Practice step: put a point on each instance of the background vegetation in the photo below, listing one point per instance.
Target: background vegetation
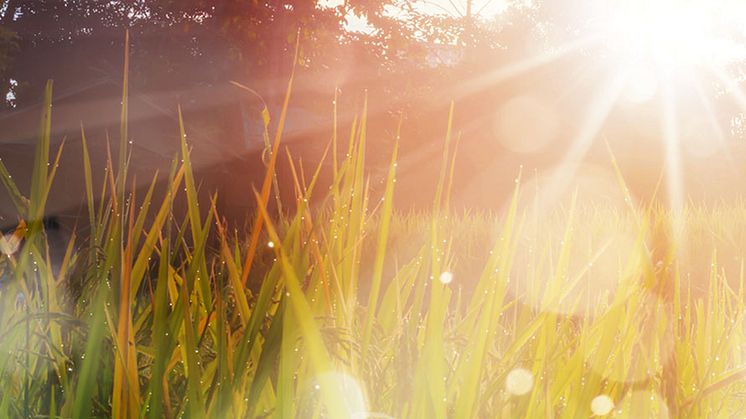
(332, 302)
(311, 313)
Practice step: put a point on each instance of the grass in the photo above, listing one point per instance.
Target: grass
(150, 314)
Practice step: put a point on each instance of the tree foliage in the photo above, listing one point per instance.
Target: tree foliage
(203, 41)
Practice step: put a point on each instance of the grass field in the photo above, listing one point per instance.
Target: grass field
(350, 309)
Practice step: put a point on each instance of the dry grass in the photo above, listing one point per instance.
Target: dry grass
(545, 314)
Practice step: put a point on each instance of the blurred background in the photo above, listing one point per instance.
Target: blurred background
(539, 87)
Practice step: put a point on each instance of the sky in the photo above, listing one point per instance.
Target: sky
(484, 8)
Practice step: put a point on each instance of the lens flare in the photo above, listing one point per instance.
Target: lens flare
(519, 382)
(526, 124)
(596, 258)
(672, 35)
(446, 278)
(630, 348)
(602, 405)
(349, 394)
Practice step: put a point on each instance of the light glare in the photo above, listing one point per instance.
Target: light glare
(602, 405)
(519, 382)
(672, 36)
(446, 278)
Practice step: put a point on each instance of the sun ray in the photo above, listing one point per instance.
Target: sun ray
(731, 87)
(516, 69)
(672, 143)
(712, 120)
(598, 111)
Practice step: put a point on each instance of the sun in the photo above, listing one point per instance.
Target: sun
(673, 37)
(680, 56)
(668, 35)
(667, 50)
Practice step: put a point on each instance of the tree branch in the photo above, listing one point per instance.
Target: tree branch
(10, 10)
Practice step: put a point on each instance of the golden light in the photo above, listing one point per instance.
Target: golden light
(602, 405)
(668, 50)
(519, 382)
(526, 124)
(672, 36)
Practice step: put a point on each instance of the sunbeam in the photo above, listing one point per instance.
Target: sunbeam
(677, 35)
(731, 86)
(512, 70)
(672, 143)
(721, 143)
(598, 110)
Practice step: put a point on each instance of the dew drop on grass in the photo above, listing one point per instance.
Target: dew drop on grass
(519, 382)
